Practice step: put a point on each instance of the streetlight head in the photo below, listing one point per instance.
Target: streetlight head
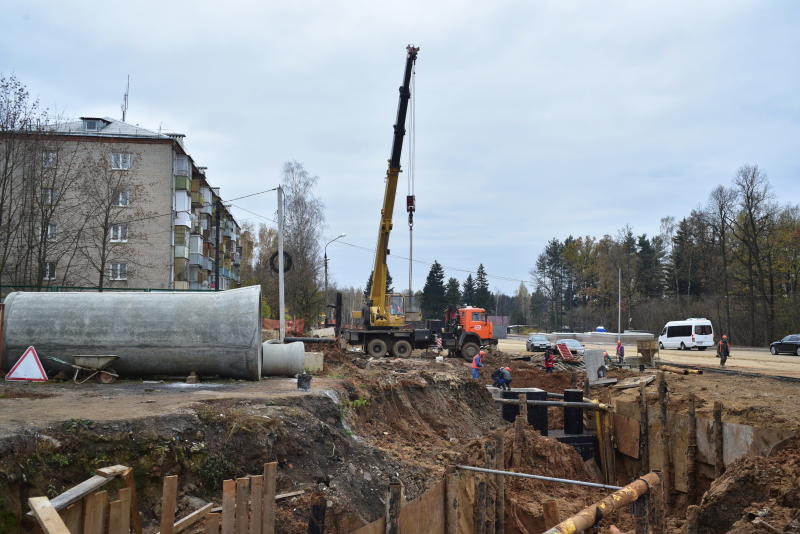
(341, 236)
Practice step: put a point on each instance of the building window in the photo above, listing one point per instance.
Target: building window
(120, 161)
(49, 197)
(49, 270)
(121, 199)
(49, 160)
(118, 271)
(119, 232)
(91, 125)
(51, 231)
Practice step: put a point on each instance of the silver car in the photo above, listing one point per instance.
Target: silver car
(573, 345)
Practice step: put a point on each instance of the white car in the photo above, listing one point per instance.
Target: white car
(573, 345)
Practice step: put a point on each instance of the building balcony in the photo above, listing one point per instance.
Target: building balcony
(195, 259)
(237, 258)
(197, 199)
(182, 251)
(183, 183)
(181, 285)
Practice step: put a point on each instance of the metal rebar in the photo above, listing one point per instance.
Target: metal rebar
(565, 404)
(539, 477)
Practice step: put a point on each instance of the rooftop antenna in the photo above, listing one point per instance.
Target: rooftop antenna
(125, 99)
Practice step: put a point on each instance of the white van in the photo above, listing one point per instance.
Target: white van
(693, 332)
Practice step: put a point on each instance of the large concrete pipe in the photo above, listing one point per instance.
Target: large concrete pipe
(282, 359)
(154, 333)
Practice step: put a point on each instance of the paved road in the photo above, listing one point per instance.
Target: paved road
(751, 359)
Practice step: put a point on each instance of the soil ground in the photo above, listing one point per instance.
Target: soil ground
(364, 422)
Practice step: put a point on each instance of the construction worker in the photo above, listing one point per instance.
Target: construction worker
(477, 363)
(723, 350)
(620, 352)
(502, 378)
(549, 361)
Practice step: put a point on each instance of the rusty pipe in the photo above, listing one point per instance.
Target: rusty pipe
(676, 370)
(591, 515)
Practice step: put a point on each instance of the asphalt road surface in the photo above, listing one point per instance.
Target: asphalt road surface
(750, 359)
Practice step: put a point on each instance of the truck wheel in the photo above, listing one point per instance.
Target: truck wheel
(469, 350)
(683, 346)
(376, 347)
(401, 348)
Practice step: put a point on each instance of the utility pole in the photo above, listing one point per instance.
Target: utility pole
(619, 306)
(216, 245)
(281, 303)
(326, 264)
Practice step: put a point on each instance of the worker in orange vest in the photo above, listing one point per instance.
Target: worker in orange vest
(477, 363)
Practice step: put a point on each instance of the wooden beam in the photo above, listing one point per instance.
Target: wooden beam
(115, 517)
(168, 498)
(551, 514)
(212, 525)
(452, 504)
(47, 516)
(94, 519)
(256, 503)
(268, 509)
(644, 449)
(490, 461)
(316, 520)
(130, 484)
(480, 506)
(110, 472)
(394, 502)
(73, 517)
(691, 452)
(189, 520)
(242, 497)
(76, 493)
(719, 459)
(500, 505)
(666, 464)
(228, 506)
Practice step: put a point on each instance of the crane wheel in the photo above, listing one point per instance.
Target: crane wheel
(376, 347)
(401, 348)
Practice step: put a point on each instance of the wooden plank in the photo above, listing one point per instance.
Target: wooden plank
(242, 497)
(289, 494)
(626, 435)
(480, 505)
(452, 505)
(73, 517)
(94, 519)
(256, 503)
(228, 506)
(428, 509)
(124, 495)
(490, 460)
(719, 463)
(130, 484)
(376, 527)
(47, 516)
(316, 520)
(113, 471)
(76, 493)
(212, 524)
(500, 505)
(170, 492)
(394, 501)
(466, 501)
(551, 515)
(189, 520)
(268, 509)
(115, 517)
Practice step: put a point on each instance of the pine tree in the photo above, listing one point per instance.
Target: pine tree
(452, 294)
(433, 297)
(468, 294)
(368, 288)
(483, 297)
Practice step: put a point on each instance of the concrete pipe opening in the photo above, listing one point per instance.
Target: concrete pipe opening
(282, 359)
(154, 333)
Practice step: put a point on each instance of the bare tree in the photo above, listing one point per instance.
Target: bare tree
(111, 202)
(721, 211)
(305, 219)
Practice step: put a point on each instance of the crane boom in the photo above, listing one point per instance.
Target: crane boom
(378, 299)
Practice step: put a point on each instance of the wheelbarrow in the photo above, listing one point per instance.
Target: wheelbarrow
(95, 364)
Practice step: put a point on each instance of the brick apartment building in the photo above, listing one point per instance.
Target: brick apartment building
(120, 206)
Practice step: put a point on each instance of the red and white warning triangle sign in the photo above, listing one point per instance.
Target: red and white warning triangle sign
(28, 368)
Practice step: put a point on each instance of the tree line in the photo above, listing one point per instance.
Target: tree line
(438, 295)
(735, 260)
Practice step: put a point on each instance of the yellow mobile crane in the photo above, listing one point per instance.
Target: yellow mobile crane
(384, 314)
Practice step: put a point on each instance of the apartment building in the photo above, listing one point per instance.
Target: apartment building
(123, 207)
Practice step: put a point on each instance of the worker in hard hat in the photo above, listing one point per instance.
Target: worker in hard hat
(723, 350)
(620, 352)
(477, 363)
(502, 378)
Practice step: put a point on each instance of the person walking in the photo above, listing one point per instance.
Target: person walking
(477, 363)
(549, 361)
(723, 350)
(620, 352)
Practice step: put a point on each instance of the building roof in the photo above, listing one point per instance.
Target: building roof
(108, 128)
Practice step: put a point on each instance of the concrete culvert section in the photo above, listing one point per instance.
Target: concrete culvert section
(155, 333)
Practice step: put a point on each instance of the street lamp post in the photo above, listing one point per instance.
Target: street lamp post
(326, 263)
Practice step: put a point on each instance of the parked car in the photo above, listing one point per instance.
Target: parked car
(537, 343)
(790, 344)
(573, 345)
(684, 335)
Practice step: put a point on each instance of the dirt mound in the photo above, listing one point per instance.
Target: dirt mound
(749, 485)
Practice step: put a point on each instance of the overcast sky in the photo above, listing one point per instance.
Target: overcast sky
(534, 119)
